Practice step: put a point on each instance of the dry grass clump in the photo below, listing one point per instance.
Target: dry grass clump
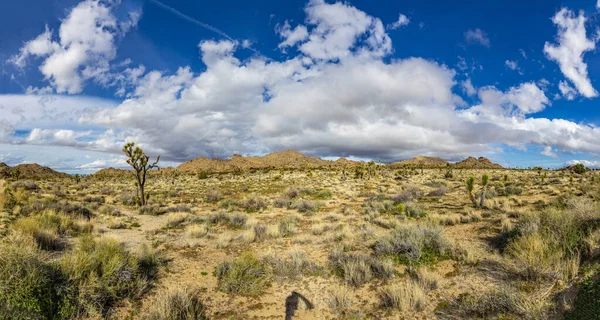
(426, 278)
(197, 231)
(339, 300)
(26, 184)
(234, 220)
(288, 226)
(411, 244)
(549, 244)
(177, 219)
(500, 304)
(245, 275)
(177, 304)
(358, 269)
(65, 208)
(213, 196)
(254, 203)
(406, 297)
(296, 264)
(101, 272)
(28, 289)
(48, 227)
(86, 282)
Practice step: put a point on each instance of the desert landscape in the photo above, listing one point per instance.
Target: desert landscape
(286, 235)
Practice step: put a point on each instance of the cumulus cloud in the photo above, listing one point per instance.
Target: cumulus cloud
(594, 164)
(572, 45)
(548, 152)
(340, 95)
(85, 46)
(468, 87)
(335, 30)
(401, 22)
(477, 36)
(566, 90)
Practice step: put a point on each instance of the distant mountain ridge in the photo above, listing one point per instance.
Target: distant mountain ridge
(287, 159)
(30, 171)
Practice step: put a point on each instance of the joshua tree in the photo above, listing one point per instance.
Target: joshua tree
(77, 178)
(470, 186)
(484, 182)
(139, 161)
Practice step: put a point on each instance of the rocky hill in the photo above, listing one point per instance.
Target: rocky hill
(30, 171)
(287, 159)
(477, 163)
(422, 161)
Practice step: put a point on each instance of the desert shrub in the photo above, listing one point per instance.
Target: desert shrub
(177, 219)
(26, 184)
(129, 198)
(179, 208)
(340, 300)
(70, 209)
(412, 244)
(305, 205)
(254, 203)
(323, 194)
(291, 193)
(245, 275)
(101, 272)
(177, 304)
(29, 287)
(426, 278)
(383, 206)
(414, 211)
(152, 210)
(288, 227)
(260, 232)
(235, 220)
(95, 199)
(296, 264)
(407, 296)
(110, 211)
(47, 228)
(409, 193)
(439, 192)
(551, 242)
(358, 269)
(197, 231)
(494, 304)
(213, 196)
(282, 202)
(580, 168)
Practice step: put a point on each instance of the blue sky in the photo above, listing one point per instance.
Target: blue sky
(515, 81)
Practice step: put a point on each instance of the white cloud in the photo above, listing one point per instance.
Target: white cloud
(298, 34)
(523, 53)
(477, 36)
(511, 64)
(84, 48)
(593, 164)
(572, 44)
(401, 22)
(335, 31)
(566, 90)
(341, 96)
(548, 152)
(468, 87)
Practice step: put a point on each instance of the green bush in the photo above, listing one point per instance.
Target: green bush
(245, 275)
(412, 244)
(101, 272)
(29, 287)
